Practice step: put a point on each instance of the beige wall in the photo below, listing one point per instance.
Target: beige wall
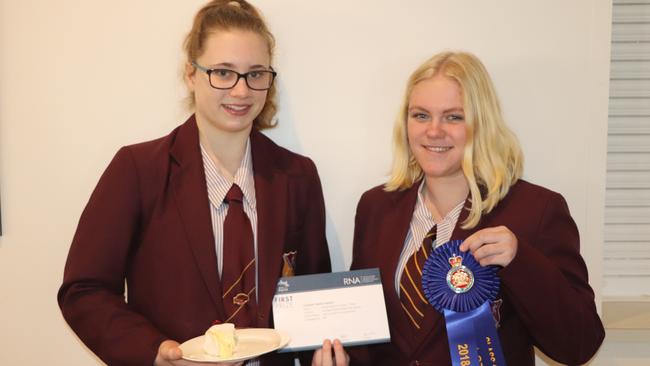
(79, 78)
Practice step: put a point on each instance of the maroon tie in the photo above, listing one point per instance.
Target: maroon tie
(410, 285)
(238, 274)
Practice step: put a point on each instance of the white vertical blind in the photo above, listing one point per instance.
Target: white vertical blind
(627, 211)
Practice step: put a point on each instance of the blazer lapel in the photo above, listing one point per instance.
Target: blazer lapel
(460, 233)
(393, 232)
(432, 317)
(271, 192)
(187, 179)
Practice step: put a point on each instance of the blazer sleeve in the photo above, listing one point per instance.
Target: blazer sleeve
(92, 294)
(361, 219)
(314, 256)
(360, 355)
(547, 285)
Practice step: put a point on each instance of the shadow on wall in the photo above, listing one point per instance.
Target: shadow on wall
(285, 135)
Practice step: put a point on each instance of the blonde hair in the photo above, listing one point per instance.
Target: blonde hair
(492, 159)
(225, 15)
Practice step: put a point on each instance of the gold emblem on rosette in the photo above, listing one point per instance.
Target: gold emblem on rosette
(460, 279)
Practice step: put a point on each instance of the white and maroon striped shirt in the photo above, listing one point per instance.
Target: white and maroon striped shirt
(218, 185)
(421, 223)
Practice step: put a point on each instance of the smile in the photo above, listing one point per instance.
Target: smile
(237, 109)
(438, 149)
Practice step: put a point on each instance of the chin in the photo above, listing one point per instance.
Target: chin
(239, 127)
(235, 124)
(441, 172)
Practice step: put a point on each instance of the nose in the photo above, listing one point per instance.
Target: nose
(240, 90)
(435, 128)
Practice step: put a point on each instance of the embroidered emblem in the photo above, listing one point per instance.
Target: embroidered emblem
(459, 278)
(240, 299)
(289, 264)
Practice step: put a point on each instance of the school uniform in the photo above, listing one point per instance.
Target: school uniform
(149, 222)
(544, 301)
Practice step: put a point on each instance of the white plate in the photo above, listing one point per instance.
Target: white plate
(252, 342)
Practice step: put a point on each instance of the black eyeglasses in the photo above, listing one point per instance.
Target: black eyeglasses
(227, 79)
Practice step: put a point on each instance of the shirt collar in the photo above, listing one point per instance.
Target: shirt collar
(218, 185)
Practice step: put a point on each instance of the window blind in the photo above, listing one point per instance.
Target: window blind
(627, 200)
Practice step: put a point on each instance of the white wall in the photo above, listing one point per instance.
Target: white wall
(79, 78)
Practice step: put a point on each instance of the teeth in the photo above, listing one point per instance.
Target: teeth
(438, 148)
(236, 107)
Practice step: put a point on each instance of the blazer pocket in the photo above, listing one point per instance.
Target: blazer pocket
(293, 241)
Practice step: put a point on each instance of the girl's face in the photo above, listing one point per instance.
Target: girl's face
(229, 110)
(436, 128)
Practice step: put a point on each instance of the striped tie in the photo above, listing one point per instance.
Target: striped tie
(238, 275)
(410, 285)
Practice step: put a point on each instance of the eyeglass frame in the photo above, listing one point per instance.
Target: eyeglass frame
(239, 76)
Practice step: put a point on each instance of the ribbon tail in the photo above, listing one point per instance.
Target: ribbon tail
(461, 337)
(487, 338)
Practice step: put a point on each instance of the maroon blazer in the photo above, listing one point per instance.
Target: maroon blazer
(546, 300)
(148, 221)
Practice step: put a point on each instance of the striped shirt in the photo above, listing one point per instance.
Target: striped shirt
(421, 223)
(218, 187)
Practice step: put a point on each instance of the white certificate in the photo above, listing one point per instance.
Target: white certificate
(349, 306)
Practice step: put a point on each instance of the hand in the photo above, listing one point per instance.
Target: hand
(493, 245)
(324, 357)
(169, 354)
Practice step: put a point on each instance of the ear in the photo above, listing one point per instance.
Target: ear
(189, 72)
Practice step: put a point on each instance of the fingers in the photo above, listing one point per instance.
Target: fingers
(490, 254)
(317, 359)
(324, 357)
(171, 351)
(492, 246)
(340, 356)
(168, 351)
(170, 354)
(485, 236)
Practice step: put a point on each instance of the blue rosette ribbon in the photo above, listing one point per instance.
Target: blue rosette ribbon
(456, 285)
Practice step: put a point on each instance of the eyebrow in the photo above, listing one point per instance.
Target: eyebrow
(450, 110)
(416, 107)
(456, 109)
(232, 66)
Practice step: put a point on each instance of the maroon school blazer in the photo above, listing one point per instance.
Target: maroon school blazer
(148, 221)
(546, 299)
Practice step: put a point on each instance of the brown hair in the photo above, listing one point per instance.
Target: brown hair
(227, 15)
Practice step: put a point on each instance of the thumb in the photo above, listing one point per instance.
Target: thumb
(169, 350)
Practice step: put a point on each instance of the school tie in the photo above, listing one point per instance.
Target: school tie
(411, 294)
(238, 273)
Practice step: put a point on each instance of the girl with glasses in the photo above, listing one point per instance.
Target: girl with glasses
(149, 266)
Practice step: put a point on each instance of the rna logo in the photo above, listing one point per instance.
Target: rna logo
(351, 281)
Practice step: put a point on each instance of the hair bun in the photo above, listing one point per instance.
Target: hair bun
(234, 3)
